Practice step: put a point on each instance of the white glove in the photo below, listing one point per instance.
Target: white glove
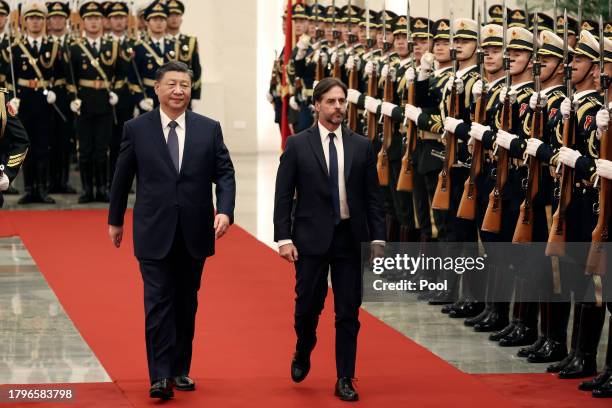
(602, 119)
(319, 54)
(387, 108)
(504, 139)
(533, 145)
(51, 97)
(353, 62)
(511, 95)
(458, 84)
(352, 95)
(269, 97)
(146, 104)
(13, 106)
(477, 89)
(370, 67)
(566, 107)
(410, 75)
(534, 99)
(450, 124)
(477, 130)
(75, 106)
(412, 112)
(427, 61)
(386, 70)
(604, 168)
(334, 57)
(294, 105)
(303, 42)
(113, 98)
(314, 84)
(470, 142)
(568, 156)
(371, 104)
(4, 182)
(316, 45)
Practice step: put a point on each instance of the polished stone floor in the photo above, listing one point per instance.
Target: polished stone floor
(447, 338)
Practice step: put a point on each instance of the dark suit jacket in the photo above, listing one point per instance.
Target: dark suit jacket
(165, 198)
(303, 169)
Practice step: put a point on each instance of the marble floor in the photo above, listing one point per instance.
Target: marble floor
(255, 174)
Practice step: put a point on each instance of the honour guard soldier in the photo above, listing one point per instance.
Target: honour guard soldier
(186, 46)
(4, 44)
(93, 61)
(62, 137)
(572, 29)
(149, 54)
(36, 62)
(14, 144)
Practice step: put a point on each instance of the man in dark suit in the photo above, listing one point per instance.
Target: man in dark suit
(176, 155)
(339, 205)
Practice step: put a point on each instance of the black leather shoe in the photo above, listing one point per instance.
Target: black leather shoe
(345, 390)
(441, 298)
(527, 351)
(492, 323)
(28, 198)
(555, 368)
(184, 383)
(522, 335)
(446, 309)
(300, 366)
(582, 365)
(86, 198)
(45, 199)
(162, 389)
(498, 335)
(477, 319)
(550, 351)
(604, 391)
(596, 382)
(468, 309)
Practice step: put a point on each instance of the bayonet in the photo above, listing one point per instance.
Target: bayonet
(409, 35)
(451, 38)
(579, 15)
(555, 16)
(527, 15)
(486, 13)
(505, 46)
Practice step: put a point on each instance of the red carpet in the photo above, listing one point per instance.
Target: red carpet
(244, 336)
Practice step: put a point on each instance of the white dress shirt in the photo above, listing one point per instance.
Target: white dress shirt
(160, 42)
(95, 43)
(38, 40)
(180, 131)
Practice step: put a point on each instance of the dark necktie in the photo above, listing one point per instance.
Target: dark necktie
(35, 46)
(333, 178)
(173, 145)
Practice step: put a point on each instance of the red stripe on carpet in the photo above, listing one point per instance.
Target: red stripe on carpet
(244, 335)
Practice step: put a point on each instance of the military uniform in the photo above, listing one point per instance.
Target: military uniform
(95, 65)
(14, 143)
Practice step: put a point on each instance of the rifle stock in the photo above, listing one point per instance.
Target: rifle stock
(372, 123)
(352, 109)
(405, 180)
(382, 164)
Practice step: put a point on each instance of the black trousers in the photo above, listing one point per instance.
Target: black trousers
(344, 260)
(171, 289)
(94, 133)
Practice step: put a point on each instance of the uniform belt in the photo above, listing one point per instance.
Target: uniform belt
(148, 82)
(119, 84)
(94, 84)
(584, 184)
(59, 82)
(307, 92)
(32, 83)
(430, 136)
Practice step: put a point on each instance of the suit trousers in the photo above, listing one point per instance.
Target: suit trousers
(344, 260)
(171, 289)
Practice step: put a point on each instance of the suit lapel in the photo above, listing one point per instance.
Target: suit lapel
(317, 147)
(160, 140)
(347, 145)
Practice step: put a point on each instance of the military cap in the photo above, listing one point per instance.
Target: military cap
(332, 13)
(391, 16)
(354, 13)
(551, 44)
(607, 50)
(491, 35)
(590, 26)
(156, 9)
(314, 10)
(608, 29)
(34, 9)
(119, 8)
(373, 18)
(5, 9)
(465, 28)
(58, 8)
(298, 11)
(520, 38)
(496, 14)
(517, 18)
(545, 22)
(176, 7)
(421, 27)
(588, 45)
(399, 25)
(572, 25)
(441, 29)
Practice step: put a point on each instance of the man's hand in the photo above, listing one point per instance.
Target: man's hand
(116, 234)
(377, 250)
(289, 252)
(222, 223)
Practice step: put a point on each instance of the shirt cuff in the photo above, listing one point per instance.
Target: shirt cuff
(379, 241)
(284, 242)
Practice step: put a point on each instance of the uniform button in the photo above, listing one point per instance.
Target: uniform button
(577, 184)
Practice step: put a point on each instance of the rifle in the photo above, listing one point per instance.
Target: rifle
(524, 226)
(75, 19)
(336, 69)
(319, 73)
(441, 199)
(353, 80)
(405, 179)
(556, 237)
(467, 205)
(372, 125)
(382, 164)
(132, 22)
(14, 21)
(493, 215)
(597, 259)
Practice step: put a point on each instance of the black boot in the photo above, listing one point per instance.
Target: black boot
(101, 182)
(477, 319)
(29, 178)
(494, 321)
(604, 391)
(584, 363)
(497, 336)
(522, 335)
(86, 169)
(606, 374)
(526, 351)
(550, 351)
(555, 368)
(468, 309)
(42, 168)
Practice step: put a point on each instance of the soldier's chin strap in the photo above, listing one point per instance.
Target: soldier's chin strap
(586, 73)
(553, 71)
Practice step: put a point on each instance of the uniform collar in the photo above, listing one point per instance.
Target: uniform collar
(580, 95)
(460, 73)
